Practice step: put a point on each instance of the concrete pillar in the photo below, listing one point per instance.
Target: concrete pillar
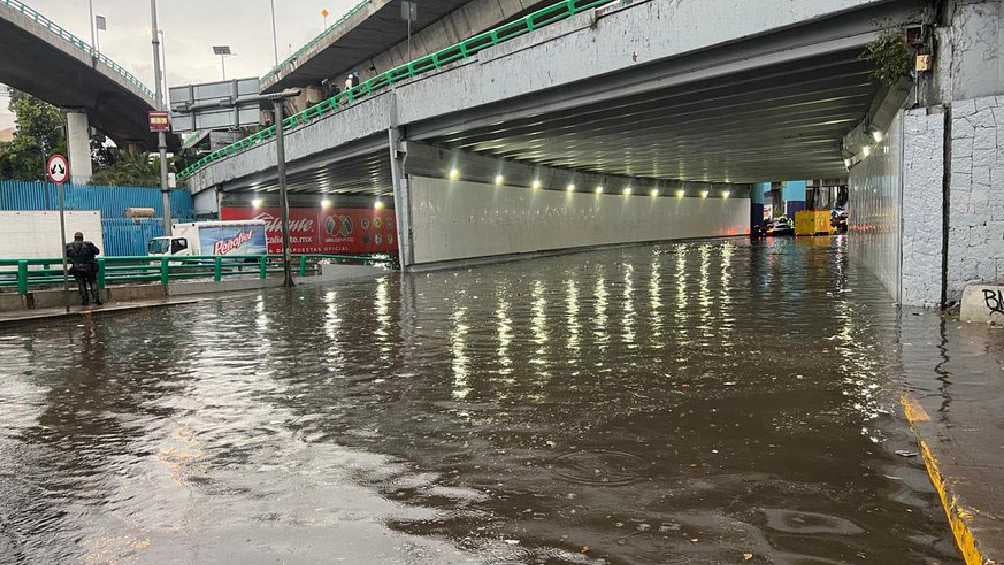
(757, 192)
(793, 194)
(402, 200)
(78, 143)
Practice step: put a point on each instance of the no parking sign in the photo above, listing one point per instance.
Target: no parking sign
(57, 169)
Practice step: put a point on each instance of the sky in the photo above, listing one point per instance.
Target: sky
(191, 28)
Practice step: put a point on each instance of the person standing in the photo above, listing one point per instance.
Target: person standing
(82, 254)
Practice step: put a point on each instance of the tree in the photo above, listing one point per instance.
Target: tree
(41, 131)
(125, 168)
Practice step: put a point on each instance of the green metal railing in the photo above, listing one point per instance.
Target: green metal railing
(62, 33)
(428, 63)
(27, 274)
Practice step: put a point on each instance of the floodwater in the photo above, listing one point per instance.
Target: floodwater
(702, 402)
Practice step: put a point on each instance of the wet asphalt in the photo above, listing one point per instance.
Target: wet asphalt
(700, 402)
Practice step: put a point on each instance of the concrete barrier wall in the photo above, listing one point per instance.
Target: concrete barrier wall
(875, 209)
(463, 220)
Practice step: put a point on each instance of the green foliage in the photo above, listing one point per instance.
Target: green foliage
(890, 57)
(123, 168)
(41, 131)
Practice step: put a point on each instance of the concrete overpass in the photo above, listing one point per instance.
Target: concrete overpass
(60, 68)
(372, 35)
(659, 94)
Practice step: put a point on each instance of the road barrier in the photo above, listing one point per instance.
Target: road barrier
(428, 63)
(28, 274)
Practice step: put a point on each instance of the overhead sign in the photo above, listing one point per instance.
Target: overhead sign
(57, 169)
(160, 122)
(215, 105)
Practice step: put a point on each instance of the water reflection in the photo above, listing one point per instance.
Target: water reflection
(688, 403)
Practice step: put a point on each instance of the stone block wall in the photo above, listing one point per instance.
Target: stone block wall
(923, 180)
(976, 202)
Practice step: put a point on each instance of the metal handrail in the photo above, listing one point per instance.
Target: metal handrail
(427, 63)
(58, 30)
(124, 270)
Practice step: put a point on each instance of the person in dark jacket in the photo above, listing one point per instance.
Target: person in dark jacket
(82, 254)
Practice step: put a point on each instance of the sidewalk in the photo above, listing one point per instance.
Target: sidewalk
(77, 310)
(955, 405)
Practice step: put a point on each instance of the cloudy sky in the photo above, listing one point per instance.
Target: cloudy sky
(191, 28)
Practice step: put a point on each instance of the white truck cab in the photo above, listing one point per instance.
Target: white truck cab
(168, 245)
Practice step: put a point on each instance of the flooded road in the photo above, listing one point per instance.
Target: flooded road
(702, 402)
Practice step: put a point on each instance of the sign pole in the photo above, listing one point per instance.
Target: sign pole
(57, 171)
(62, 245)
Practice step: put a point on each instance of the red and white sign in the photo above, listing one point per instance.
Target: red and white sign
(160, 122)
(57, 169)
(338, 231)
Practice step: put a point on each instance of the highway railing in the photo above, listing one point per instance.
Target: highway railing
(383, 81)
(24, 275)
(62, 33)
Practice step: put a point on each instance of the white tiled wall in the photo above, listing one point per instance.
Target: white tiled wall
(460, 220)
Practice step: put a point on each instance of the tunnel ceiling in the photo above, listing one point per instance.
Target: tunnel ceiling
(781, 122)
(774, 123)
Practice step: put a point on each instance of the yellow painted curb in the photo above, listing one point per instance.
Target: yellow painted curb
(958, 517)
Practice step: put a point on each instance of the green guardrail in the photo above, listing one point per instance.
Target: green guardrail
(27, 274)
(62, 33)
(428, 63)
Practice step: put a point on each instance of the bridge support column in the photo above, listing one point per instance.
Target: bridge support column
(78, 144)
(402, 199)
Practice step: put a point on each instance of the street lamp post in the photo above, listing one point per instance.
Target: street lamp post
(276, 100)
(222, 51)
(165, 194)
(280, 160)
(275, 35)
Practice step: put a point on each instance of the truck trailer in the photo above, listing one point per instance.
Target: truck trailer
(240, 237)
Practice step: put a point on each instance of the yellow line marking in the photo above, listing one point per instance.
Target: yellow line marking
(958, 517)
(913, 410)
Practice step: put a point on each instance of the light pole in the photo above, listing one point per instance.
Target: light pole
(101, 24)
(163, 55)
(222, 51)
(275, 35)
(165, 191)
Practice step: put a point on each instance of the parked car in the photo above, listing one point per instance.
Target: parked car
(838, 219)
(781, 226)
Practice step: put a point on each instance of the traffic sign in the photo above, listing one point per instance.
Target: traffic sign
(160, 122)
(57, 169)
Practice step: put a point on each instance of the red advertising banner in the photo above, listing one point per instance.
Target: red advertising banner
(338, 231)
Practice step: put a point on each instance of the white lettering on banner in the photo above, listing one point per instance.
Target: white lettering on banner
(304, 225)
(224, 247)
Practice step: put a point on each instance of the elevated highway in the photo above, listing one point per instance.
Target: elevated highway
(54, 65)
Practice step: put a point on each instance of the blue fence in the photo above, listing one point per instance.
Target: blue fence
(121, 236)
(111, 201)
(128, 238)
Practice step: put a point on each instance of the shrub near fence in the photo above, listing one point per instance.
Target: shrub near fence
(122, 237)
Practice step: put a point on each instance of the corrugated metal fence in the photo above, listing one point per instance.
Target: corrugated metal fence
(111, 201)
(121, 236)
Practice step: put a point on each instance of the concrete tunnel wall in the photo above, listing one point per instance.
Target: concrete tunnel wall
(464, 220)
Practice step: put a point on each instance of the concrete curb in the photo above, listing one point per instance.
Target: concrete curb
(966, 523)
(86, 311)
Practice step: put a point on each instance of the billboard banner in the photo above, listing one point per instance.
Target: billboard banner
(232, 240)
(337, 231)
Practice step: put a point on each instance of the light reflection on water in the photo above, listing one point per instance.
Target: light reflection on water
(685, 403)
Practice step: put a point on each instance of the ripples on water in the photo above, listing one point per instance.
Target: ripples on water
(693, 403)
